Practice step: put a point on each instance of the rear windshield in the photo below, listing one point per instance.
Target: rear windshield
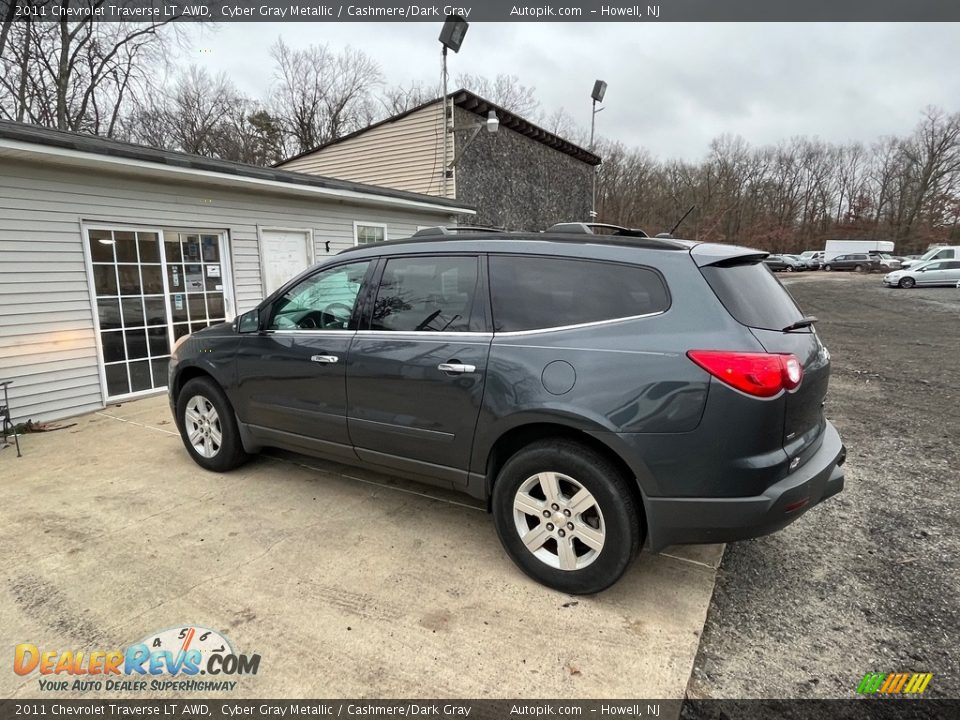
(751, 293)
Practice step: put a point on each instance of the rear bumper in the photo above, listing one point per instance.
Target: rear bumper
(677, 521)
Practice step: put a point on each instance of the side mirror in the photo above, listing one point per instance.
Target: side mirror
(249, 322)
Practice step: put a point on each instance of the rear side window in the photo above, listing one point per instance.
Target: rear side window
(533, 293)
(426, 294)
(751, 293)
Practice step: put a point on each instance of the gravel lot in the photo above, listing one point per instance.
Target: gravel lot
(869, 580)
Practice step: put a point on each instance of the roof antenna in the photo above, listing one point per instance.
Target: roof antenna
(671, 231)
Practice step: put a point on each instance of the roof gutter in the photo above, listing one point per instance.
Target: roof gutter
(68, 157)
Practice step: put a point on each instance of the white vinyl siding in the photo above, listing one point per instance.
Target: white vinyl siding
(47, 342)
(403, 154)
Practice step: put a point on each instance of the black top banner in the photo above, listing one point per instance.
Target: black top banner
(484, 11)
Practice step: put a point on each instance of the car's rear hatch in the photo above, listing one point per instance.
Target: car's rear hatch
(755, 298)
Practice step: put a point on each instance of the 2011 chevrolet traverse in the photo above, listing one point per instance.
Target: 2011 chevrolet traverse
(599, 388)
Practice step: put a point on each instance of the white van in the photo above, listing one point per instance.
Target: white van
(845, 247)
(942, 252)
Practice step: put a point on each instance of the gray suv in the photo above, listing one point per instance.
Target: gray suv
(599, 391)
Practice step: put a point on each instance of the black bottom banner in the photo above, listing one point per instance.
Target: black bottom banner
(859, 709)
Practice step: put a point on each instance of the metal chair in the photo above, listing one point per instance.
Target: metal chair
(8, 428)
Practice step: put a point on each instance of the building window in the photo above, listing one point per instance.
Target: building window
(151, 288)
(369, 233)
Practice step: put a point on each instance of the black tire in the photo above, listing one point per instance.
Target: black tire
(229, 453)
(789, 268)
(619, 518)
(907, 283)
(827, 268)
(858, 268)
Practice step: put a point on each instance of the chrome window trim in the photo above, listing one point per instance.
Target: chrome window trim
(305, 331)
(560, 328)
(423, 334)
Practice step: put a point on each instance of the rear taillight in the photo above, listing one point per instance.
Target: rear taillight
(758, 374)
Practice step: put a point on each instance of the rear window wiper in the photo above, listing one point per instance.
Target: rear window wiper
(803, 322)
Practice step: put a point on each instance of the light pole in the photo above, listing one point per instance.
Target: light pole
(451, 37)
(599, 90)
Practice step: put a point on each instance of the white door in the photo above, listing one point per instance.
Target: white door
(283, 254)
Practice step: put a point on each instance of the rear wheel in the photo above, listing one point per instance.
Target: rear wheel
(789, 268)
(566, 516)
(858, 268)
(208, 426)
(907, 282)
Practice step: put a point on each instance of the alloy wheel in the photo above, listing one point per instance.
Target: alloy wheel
(203, 426)
(559, 521)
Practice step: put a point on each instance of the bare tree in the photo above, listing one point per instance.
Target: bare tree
(504, 90)
(77, 74)
(321, 95)
(398, 99)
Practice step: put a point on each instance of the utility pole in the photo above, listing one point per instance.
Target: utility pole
(599, 90)
(443, 164)
(451, 36)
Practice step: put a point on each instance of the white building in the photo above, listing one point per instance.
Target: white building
(110, 251)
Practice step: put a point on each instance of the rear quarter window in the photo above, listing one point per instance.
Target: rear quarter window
(533, 293)
(751, 293)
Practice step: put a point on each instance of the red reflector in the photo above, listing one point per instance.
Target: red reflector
(794, 506)
(757, 374)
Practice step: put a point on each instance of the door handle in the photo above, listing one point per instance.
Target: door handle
(324, 359)
(456, 368)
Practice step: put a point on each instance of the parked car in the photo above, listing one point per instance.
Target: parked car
(597, 391)
(858, 262)
(940, 252)
(938, 272)
(888, 262)
(786, 263)
(809, 263)
(813, 258)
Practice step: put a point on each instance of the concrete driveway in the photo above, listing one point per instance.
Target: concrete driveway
(348, 584)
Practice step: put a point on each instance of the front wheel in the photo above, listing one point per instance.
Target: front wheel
(789, 268)
(566, 516)
(208, 426)
(827, 268)
(907, 283)
(858, 268)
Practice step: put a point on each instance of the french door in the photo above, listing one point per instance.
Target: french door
(151, 287)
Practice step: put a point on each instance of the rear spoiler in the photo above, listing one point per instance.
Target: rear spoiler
(717, 254)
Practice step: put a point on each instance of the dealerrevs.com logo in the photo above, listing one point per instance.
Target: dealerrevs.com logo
(169, 660)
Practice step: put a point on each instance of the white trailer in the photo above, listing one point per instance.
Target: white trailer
(845, 247)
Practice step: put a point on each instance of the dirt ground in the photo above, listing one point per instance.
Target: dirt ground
(869, 580)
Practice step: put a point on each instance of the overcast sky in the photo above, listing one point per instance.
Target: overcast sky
(672, 87)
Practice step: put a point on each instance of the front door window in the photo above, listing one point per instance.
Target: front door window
(323, 301)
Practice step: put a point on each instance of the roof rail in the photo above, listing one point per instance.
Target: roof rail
(455, 230)
(595, 229)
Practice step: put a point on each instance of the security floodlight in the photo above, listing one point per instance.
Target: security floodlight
(453, 32)
(599, 89)
(493, 123)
